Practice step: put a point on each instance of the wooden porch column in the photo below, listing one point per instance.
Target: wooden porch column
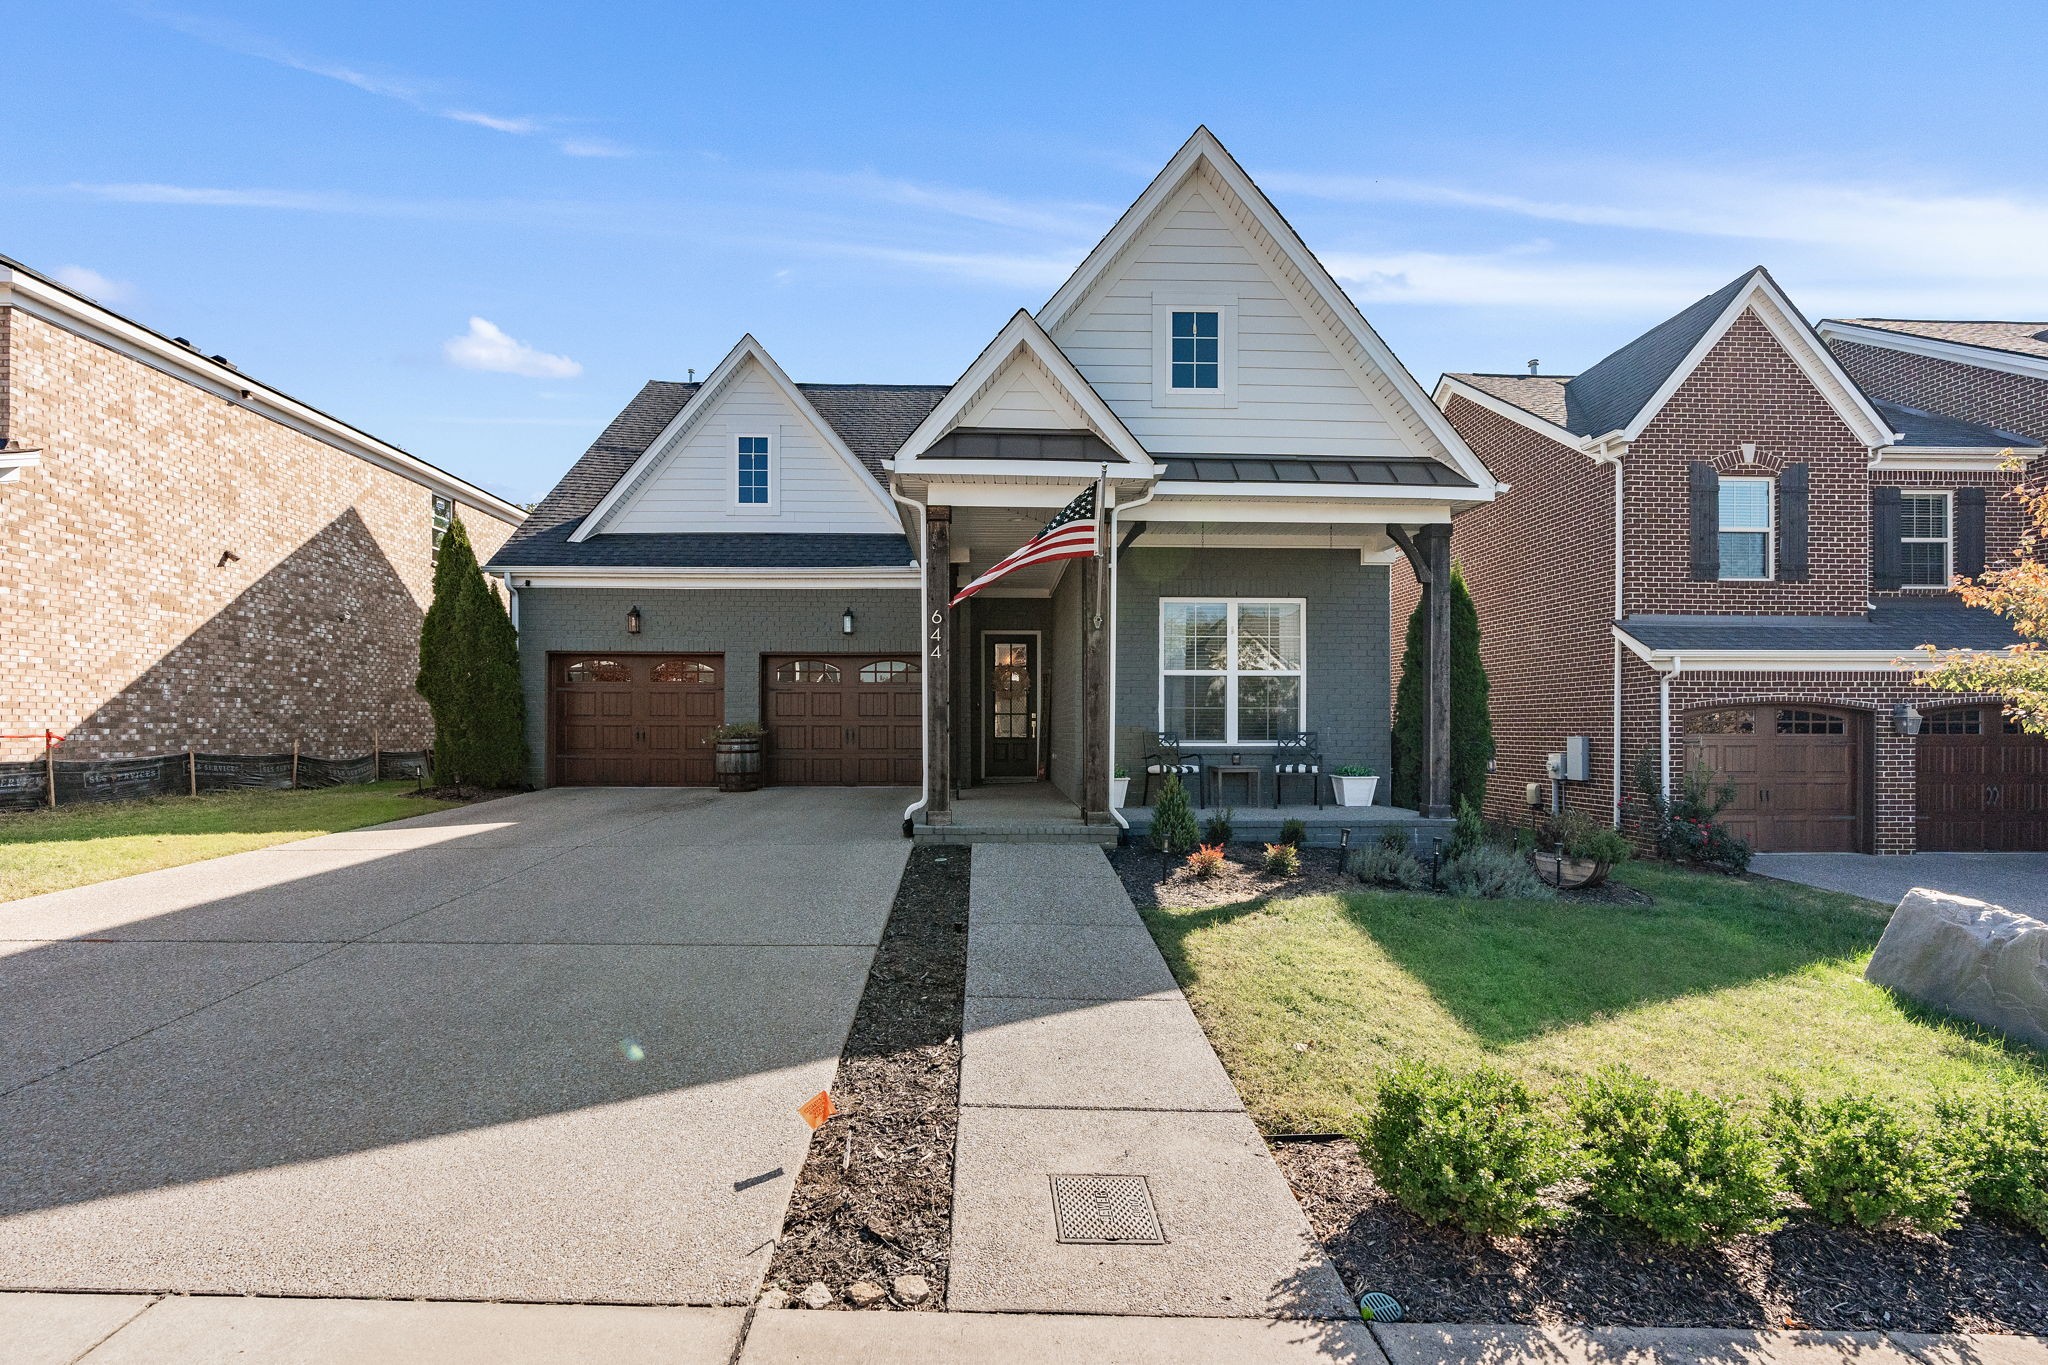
(938, 665)
(1095, 692)
(1436, 748)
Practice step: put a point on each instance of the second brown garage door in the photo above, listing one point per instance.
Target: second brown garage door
(1982, 783)
(843, 720)
(1797, 772)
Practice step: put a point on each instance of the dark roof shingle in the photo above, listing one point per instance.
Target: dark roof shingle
(1608, 396)
(2017, 338)
(1931, 429)
(1895, 627)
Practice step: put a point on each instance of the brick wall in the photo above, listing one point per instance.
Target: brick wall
(1540, 566)
(1747, 389)
(2010, 402)
(119, 624)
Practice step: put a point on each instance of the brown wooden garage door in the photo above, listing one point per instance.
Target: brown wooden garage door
(1981, 783)
(634, 720)
(843, 720)
(1798, 775)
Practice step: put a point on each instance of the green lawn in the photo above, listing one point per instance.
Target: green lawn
(1724, 985)
(49, 850)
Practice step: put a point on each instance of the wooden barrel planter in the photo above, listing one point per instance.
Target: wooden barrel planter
(1568, 874)
(738, 763)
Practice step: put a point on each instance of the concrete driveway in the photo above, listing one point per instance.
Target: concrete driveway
(2017, 881)
(544, 1048)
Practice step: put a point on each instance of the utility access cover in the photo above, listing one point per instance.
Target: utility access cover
(1104, 1208)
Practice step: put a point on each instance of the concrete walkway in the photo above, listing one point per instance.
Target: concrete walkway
(2017, 881)
(1081, 1057)
(545, 1048)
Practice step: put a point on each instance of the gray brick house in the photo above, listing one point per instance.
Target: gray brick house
(749, 546)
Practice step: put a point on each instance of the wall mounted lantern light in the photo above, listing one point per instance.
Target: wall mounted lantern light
(846, 622)
(633, 621)
(1908, 717)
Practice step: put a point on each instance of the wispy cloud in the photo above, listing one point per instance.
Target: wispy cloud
(1022, 270)
(591, 146)
(414, 93)
(486, 347)
(1050, 217)
(1512, 279)
(92, 284)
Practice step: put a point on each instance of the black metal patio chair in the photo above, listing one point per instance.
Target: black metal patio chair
(1299, 755)
(1169, 759)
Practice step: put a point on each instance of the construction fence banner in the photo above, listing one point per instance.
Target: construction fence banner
(26, 786)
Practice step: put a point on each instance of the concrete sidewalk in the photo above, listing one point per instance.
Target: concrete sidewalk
(1080, 1057)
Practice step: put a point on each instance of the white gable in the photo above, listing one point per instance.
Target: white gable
(688, 478)
(1022, 397)
(1304, 373)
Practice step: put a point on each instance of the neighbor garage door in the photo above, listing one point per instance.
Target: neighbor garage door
(1797, 772)
(842, 720)
(634, 720)
(1982, 783)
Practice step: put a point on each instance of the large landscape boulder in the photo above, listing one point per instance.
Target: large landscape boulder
(1983, 962)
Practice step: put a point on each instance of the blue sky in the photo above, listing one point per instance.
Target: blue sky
(475, 230)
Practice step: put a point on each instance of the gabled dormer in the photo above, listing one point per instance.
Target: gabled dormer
(749, 454)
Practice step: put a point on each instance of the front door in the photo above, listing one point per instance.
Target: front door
(1011, 670)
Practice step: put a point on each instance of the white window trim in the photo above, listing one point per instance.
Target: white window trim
(773, 506)
(1947, 542)
(1769, 528)
(1164, 395)
(1233, 673)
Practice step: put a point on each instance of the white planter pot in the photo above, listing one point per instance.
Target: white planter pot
(1119, 790)
(1355, 791)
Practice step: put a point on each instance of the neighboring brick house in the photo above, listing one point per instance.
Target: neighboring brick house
(195, 560)
(1716, 548)
(1995, 373)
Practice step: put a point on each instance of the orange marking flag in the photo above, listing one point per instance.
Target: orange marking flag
(817, 1109)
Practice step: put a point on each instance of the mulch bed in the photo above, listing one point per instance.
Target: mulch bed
(1982, 1277)
(464, 793)
(1153, 879)
(875, 1197)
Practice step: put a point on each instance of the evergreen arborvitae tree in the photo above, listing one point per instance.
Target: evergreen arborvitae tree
(1471, 723)
(469, 674)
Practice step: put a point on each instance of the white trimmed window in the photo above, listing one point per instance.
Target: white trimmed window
(1231, 670)
(1194, 352)
(444, 514)
(753, 488)
(1746, 528)
(1926, 540)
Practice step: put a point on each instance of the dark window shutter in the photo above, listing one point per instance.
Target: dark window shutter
(1792, 523)
(1706, 521)
(1885, 529)
(1969, 532)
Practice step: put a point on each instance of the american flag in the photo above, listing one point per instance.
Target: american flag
(1073, 534)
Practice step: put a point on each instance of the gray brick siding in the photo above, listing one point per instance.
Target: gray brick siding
(741, 624)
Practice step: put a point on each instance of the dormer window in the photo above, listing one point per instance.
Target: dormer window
(1197, 348)
(753, 475)
(1745, 528)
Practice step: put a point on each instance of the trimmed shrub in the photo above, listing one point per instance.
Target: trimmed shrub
(1472, 1148)
(1471, 723)
(469, 673)
(1389, 863)
(1685, 1166)
(1283, 860)
(1858, 1159)
(1583, 837)
(1489, 872)
(1687, 826)
(1173, 818)
(1293, 831)
(1216, 829)
(1207, 860)
(2001, 1139)
(1468, 831)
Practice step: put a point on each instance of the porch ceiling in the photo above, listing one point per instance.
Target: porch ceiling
(989, 533)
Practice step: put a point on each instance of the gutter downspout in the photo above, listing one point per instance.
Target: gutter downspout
(1116, 511)
(1677, 667)
(512, 601)
(924, 695)
(1614, 753)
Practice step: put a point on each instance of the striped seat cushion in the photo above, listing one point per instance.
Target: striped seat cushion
(1297, 767)
(1174, 768)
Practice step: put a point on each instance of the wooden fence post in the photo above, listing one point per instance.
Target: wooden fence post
(192, 771)
(50, 767)
(376, 755)
(295, 765)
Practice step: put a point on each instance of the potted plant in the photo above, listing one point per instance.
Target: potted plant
(1574, 850)
(1119, 787)
(1354, 785)
(737, 756)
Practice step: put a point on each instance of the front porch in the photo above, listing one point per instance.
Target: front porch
(1036, 812)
